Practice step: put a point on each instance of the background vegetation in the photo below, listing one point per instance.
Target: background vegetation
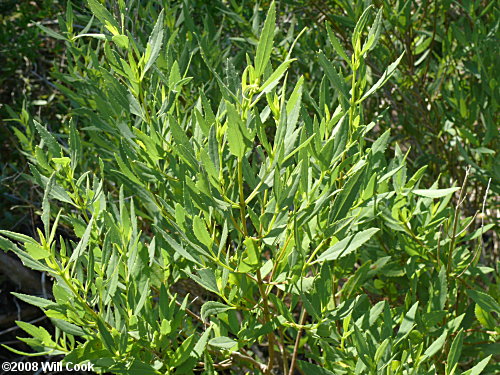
(309, 187)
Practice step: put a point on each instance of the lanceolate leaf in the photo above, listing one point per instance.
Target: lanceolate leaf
(50, 32)
(265, 46)
(238, 136)
(485, 301)
(383, 79)
(346, 246)
(478, 369)
(274, 78)
(374, 34)
(206, 279)
(155, 42)
(178, 247)
(200, 346)
(104, 16)
(360, 25)
(82, 245)
(408, 323)
(222, 342)
(49, 140)
(201, 232)
(46, 207)
(436, 345)
(454, 353)
(212, 308)
(334, 78)
(336, 45)
(35, 301)
(435, 193)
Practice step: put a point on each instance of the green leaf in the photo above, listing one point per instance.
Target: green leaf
(435, 193)
(46, 206)
(105, 335)
(374, 33)
(174, 77)
(312, 369)
(212, 308)
(82, 244)
(48, 139)
(207, 109)
(362, 347)
(485, 301)
(121, 41)
(39, 333)
(50, 32)
(67, 327)
(104, 16)
(381, 350)
(238, 136)
(144, 294)
(346, 246)
(213, 148)
(477, 369)
(250, 258)
(311, 307)
(206, 279)
(336, 44)
(294, 104)
(407, 325)
(135, 107)
(57, 191)
(454, 353)
(140, 368)
(265, 45)
(436, 345)
(183, 352)
(27, 260)
(416, 177)
(274, 78)
(32, 300)
(222, 342)
(200, 346)
(184, 148)
(37, 354)
(345, 200)
(337, 82)
(201, 232)
(155, 42)
(178, 248)
(36, 251)
(383, 79)
(358, 29)
(17, 237)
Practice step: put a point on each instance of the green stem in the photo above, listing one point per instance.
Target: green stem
(267, 319)
(352, 103)
(242, 197)
(303, 316)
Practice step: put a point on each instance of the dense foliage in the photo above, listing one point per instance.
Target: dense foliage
(227, 188)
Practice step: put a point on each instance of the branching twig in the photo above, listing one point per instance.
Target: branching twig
(303, 317)
(242, 357)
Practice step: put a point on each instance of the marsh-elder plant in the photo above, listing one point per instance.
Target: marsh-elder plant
(200, 215)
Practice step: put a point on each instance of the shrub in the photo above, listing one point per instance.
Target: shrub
(200, 214)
